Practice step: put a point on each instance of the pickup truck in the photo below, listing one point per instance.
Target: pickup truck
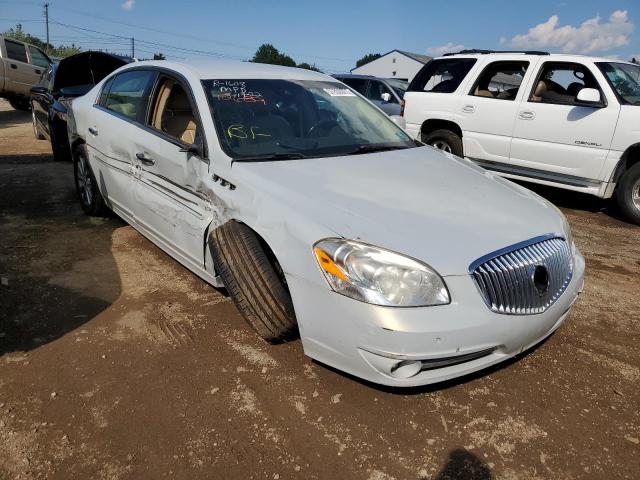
(21, 66)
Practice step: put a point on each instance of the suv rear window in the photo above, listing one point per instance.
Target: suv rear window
(16, 51)
(442, 76)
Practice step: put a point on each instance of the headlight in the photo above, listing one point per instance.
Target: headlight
(381, 277)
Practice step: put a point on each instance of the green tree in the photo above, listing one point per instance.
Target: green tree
(159, 56)
(369, 57)
(60, 51)
(309, 67)
(267, 53)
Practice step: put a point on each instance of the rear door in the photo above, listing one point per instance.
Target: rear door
(20, 74)
(117, 121)
(170, 204)
(555, 137)
(489, 107)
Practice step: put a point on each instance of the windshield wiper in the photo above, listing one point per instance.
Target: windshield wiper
(371, 148)
(272, 157)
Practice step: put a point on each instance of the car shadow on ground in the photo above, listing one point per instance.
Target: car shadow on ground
(14, 118)
(45, 236)
(464, 465)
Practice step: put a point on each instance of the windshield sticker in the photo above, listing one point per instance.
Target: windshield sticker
(232, 91)
(339, 92)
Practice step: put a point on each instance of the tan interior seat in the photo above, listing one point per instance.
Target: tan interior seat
(540, 89)
(174, 114)
(483, 93)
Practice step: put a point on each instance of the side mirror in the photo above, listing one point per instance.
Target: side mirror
(589, 97)
(38, 90)
(195, 149)
(386, 97)
(399, 121)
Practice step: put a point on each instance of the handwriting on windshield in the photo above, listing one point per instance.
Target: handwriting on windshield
(236, 91)
(240, 131)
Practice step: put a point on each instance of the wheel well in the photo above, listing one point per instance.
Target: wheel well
(629, 158)
(432, 125)
(267, 249)
(76, 143)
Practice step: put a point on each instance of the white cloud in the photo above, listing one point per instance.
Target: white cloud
(442, 49)
(128, 5)
(591, 36)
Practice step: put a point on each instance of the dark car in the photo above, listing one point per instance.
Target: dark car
(386, 93)
(60, 83)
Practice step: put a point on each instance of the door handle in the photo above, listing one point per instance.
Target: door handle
(38, 71)
(468, 109)
(14, 66)
(526, 115)
(93, 131)
(144, 159)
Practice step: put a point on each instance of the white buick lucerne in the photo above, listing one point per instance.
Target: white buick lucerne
(394, 262)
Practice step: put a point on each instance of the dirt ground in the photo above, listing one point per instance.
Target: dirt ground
(117, 363)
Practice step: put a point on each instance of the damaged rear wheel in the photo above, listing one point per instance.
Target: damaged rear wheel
(254, 280)
(90, 197)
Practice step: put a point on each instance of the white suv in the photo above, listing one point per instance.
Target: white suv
(563, 120)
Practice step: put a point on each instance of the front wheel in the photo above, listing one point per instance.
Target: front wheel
(444, 140)
(36, 128)
(91, 199)
(20, 104)
(628, 194)
(254, 280)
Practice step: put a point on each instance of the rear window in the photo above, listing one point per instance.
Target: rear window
(442, 76)
(358, 84)
(16, 51)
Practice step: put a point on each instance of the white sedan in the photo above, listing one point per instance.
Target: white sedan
(392, 261)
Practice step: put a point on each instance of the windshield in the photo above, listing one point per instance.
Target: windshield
(400, 86)
(279, 119)
(624, 78)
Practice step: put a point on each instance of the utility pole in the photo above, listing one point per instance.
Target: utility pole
(133, 47)
(46, 22)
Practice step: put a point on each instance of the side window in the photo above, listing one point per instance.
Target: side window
(127, 93)
(172, 112)
(105, 92)
(358, 84)
(500, 80)
(559, 83)
(376, 89)
(442, 76)
(16, 51)
(38, 57)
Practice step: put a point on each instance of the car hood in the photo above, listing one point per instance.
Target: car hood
(420, 202)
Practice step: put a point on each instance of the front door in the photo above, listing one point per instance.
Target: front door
(388, 103)
(489, 108)
(557, 135)
(170, 203)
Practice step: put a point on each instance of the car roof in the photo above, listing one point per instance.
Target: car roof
(367, 77)
(556, 57)
(233, 69)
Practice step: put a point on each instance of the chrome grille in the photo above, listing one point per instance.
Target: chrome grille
(511, 280)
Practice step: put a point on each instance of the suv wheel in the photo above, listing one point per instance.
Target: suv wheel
(628, 194)
(20, 104)
(445, 140)
(86, 185)
(254, 280)
(36, 129)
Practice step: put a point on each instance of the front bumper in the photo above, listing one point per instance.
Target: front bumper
(359, 338)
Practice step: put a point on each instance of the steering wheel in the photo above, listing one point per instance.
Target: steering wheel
(324, 124)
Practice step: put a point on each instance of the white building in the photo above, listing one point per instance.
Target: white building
(395, 64)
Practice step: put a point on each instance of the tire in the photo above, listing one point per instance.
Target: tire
(20, 104)
(628, 194)
(91, 199)
(36, 129)
(254, 280)
(445, 140)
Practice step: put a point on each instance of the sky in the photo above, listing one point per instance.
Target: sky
(332, 34)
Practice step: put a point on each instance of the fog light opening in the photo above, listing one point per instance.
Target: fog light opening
(405, 369)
